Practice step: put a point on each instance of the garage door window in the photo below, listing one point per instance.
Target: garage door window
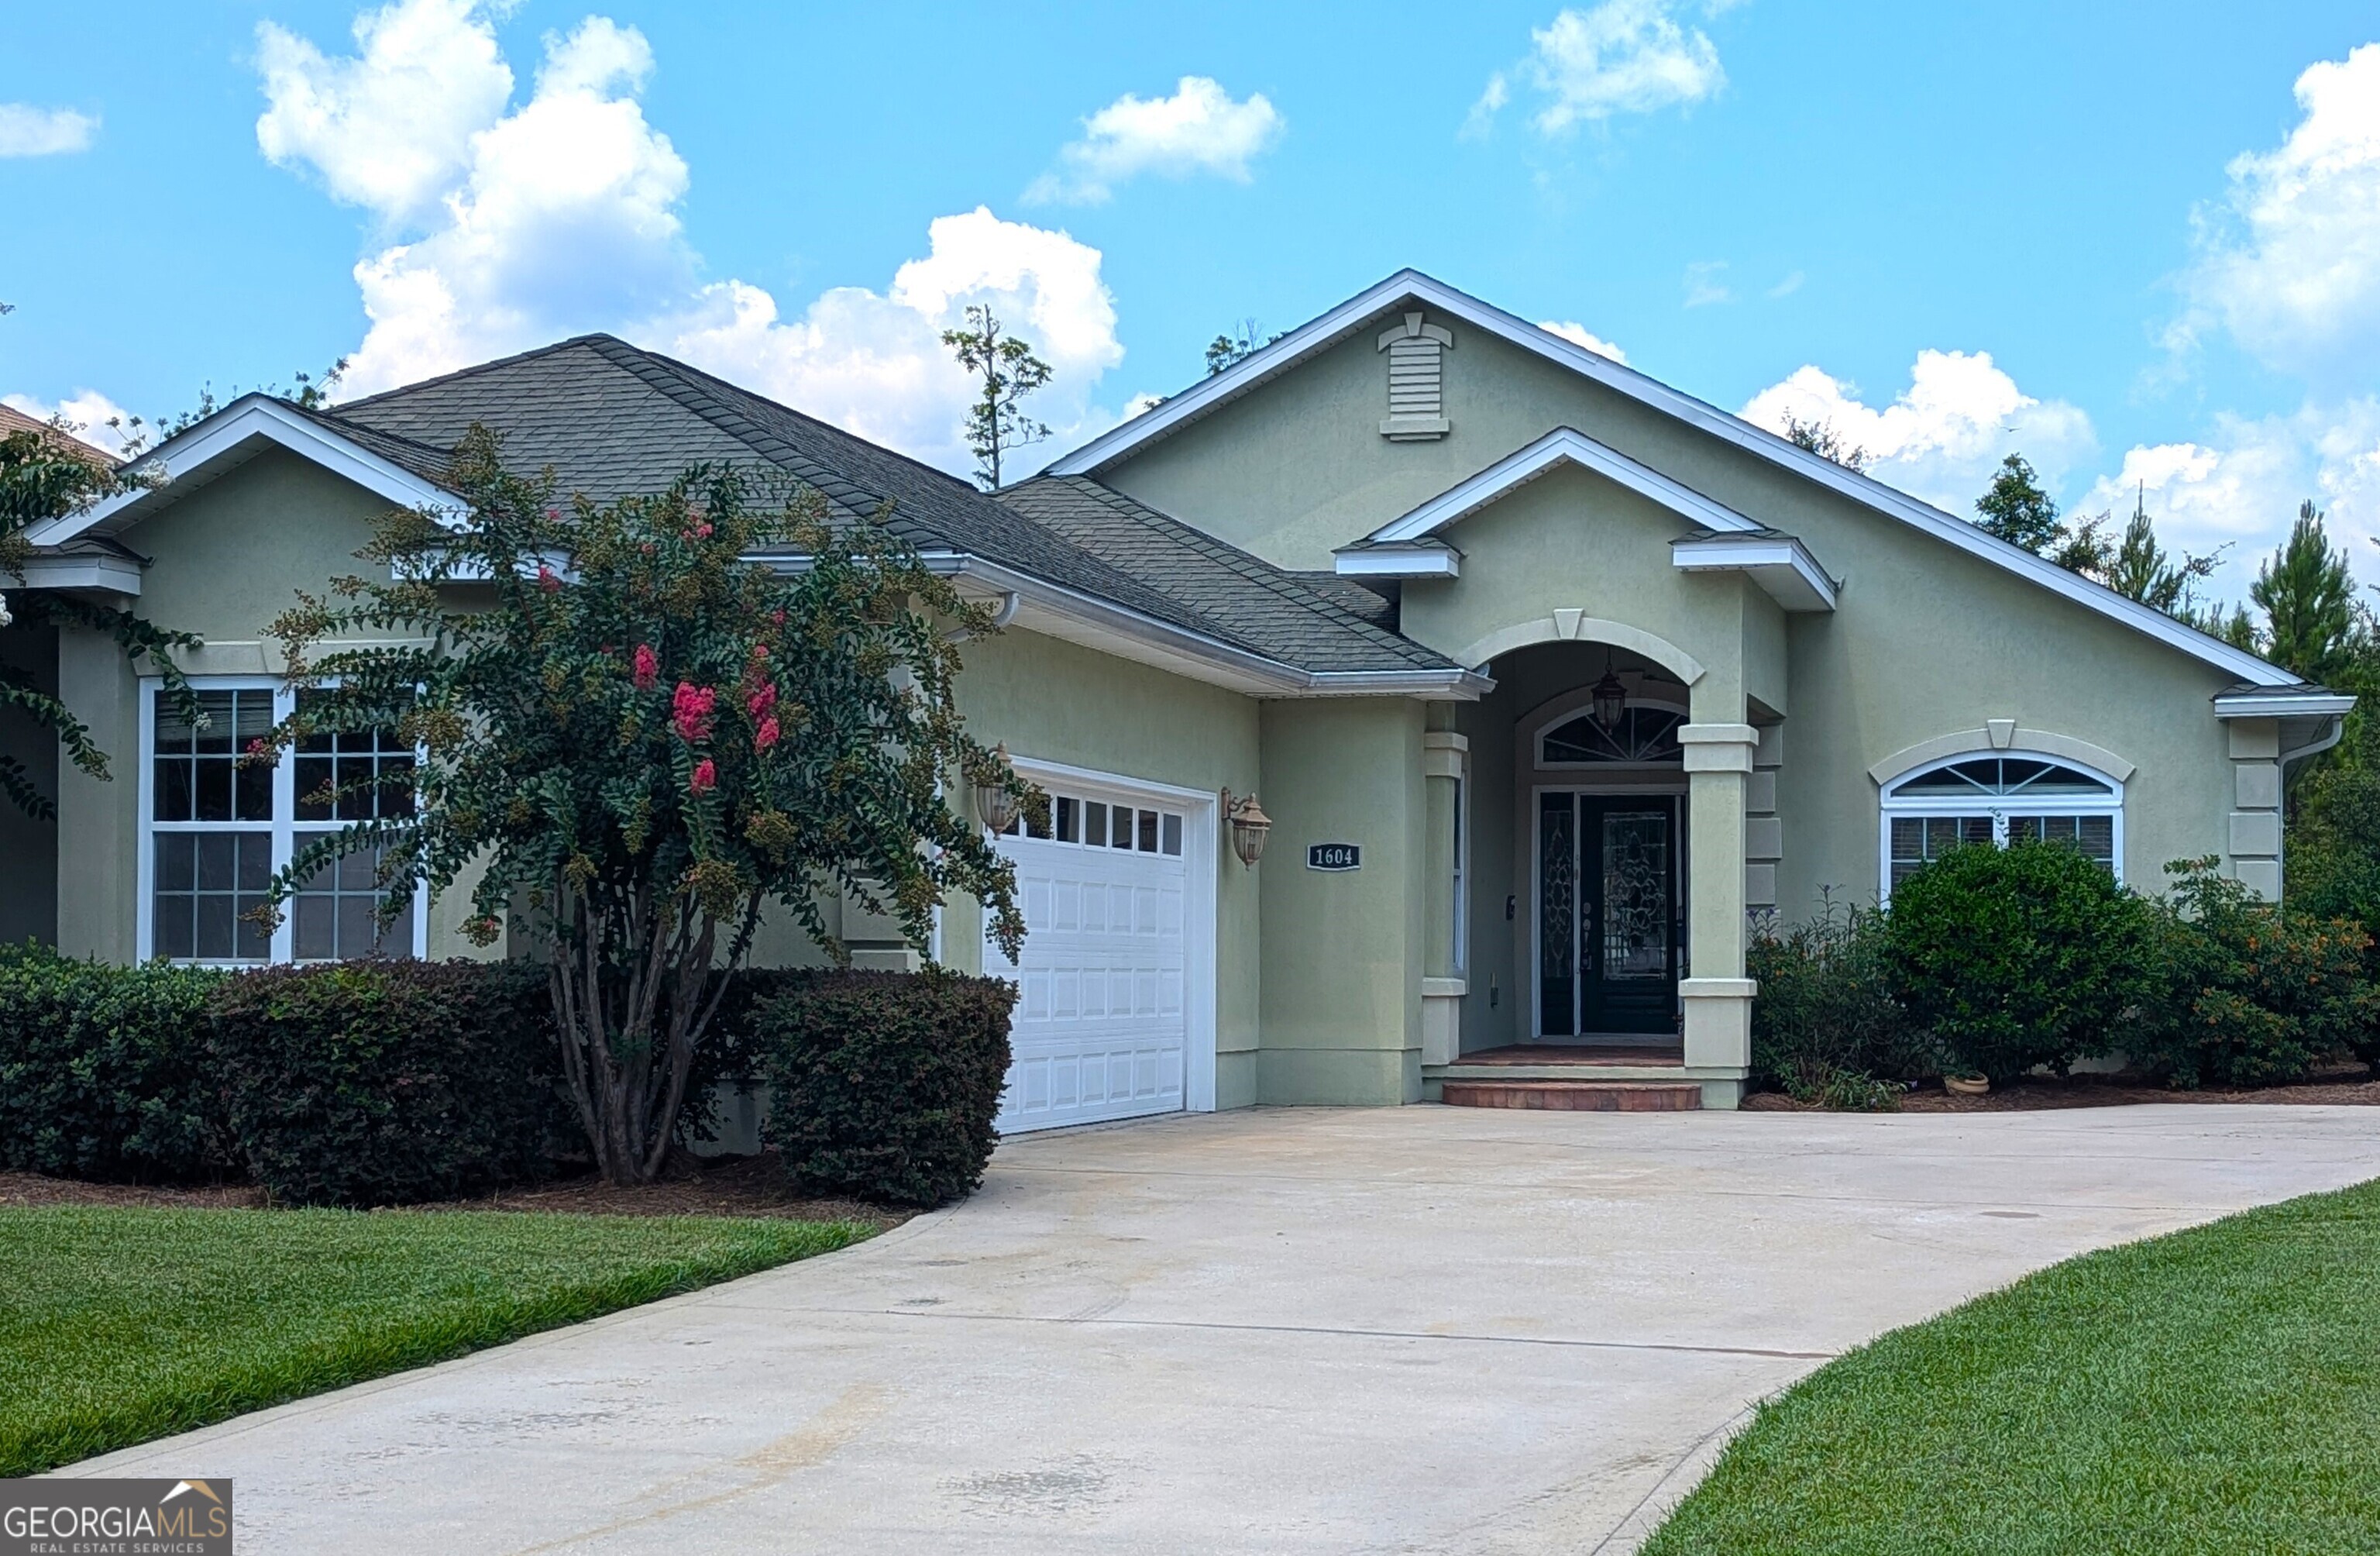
(1097, 824)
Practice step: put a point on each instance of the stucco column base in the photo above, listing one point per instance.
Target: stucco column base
(1719, 1021)
(1441, 1019)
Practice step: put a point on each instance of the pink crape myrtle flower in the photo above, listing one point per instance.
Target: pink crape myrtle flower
(693, 710)
(648, 666)
(763, 697)
(705, 776)
(767, 735)
(546, 579)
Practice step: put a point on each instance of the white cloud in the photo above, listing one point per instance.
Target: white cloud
(2243, 482)
(1704, 285)
(1940, 437)
(875, 363)
(508, 225)
(1788, 287)
(1623, 56)
(86, 413)
(1579, 335)
(1198, 130)
(389, 128)
(2290, 264)
(27, 131)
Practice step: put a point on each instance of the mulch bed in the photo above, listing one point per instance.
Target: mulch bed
(740, 1186)
(2352, 1085)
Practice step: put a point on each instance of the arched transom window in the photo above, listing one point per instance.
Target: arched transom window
(2000, 799)
(1645, 736)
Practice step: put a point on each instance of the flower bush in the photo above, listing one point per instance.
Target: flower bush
(803, 745)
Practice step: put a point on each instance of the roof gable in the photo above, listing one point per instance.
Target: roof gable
(1407, 287)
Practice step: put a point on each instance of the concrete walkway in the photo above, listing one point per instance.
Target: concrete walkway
(1403, 1329)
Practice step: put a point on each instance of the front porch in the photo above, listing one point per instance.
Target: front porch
(1600, 814)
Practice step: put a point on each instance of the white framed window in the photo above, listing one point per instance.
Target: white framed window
(215, 831)
(1097, 824)
(2000, 797)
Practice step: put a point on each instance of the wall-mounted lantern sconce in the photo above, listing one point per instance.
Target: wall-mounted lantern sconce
(1249, 826)
(993, 803)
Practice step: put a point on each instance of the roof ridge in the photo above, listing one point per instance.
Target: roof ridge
(591, 338)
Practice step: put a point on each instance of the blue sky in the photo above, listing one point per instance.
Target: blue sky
(2162, 225)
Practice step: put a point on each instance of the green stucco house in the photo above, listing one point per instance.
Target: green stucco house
(1551, 679)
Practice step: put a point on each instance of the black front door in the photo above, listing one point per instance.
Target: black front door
(1607, 913)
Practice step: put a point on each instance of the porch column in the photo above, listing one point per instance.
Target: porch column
(1444, 755)
(1717, 998)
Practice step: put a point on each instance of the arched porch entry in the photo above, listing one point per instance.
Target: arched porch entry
(1604, 867)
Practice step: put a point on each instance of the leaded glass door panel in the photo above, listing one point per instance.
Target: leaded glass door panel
(1608, 914)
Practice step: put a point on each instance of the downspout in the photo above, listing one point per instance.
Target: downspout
(1010, 601)
(2313, 748)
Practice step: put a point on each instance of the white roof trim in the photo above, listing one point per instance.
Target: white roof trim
(1171, 415)
(1398, 562)
(109, 575)
(1563, 445)
(230, 437)
(2286, 705)
(1781, 565)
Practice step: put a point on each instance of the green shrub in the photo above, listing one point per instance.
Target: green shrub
(2247, 993)
(884, 1084)
(2019, 956)
(380, 1083)
(1826, 1017)
(101, 1076)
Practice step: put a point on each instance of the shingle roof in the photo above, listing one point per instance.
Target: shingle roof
(613, 420)
(1253, 598)
(14, 421)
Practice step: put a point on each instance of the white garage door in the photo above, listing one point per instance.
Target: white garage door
(1102, 1028)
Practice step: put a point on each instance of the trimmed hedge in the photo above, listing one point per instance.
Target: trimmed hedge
(2019, 956)
(100, 1077)
(884, 1085)
(379, 1083)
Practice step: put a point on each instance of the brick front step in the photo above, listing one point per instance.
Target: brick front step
(1576, 1096)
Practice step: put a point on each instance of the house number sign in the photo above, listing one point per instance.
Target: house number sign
(1334, 855)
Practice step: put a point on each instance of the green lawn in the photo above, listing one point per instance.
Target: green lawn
(121, 1325)
(2216, 1391)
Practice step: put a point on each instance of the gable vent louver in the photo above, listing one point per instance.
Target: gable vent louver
(1417, 380)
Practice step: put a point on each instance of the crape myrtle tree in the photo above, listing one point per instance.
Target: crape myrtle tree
(641, 739)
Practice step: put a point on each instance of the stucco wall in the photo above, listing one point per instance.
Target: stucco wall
(1928, 640)
(1343, 951)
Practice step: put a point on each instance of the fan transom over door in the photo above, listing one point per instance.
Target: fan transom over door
(1101, 1026)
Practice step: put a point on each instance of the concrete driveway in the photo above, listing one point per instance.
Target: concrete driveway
(1402, 1330)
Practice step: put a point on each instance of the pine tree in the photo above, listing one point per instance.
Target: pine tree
(996, 423)
(2308, 597)
(2015, 509)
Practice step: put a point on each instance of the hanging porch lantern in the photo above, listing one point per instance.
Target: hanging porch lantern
(1610, 698)
(1250, 826)
(993, 803)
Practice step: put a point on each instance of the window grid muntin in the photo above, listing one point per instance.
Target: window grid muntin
(407, 937)
(2023, 802)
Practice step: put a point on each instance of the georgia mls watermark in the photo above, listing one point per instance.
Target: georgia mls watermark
(115, 1518)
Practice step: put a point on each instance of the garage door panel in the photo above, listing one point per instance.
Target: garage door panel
(1101, 1025)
